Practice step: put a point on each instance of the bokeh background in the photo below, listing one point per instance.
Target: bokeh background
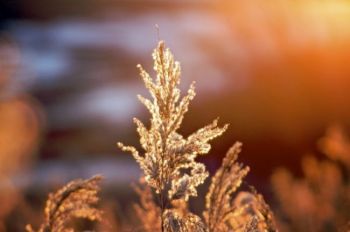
(277, 71)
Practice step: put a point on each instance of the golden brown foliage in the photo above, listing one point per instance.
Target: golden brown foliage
(170, 168)
(245, 212)
(321, 200)
(167, 153)
(175, 222)
(228, 178)
(336, 145)
(76, 199)
(147, 211)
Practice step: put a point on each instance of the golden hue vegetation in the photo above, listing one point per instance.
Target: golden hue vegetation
(320, 200)
(247, 212)
(77, 199)
(317, 202)
(171, 171)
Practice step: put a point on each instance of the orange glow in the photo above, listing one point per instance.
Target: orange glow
(277, 71)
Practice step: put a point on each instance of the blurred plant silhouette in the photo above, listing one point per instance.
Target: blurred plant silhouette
(76, 199)
(19, 134)
(171, 173)
(320, 201)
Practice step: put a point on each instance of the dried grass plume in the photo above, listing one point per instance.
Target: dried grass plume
(77, 199)
(169, 163)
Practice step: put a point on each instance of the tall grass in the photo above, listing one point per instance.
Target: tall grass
(171, 173)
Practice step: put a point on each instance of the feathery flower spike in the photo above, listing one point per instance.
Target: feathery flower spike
(168, 162)
(75, 199)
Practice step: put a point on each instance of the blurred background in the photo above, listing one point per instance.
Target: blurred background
(278, 72)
